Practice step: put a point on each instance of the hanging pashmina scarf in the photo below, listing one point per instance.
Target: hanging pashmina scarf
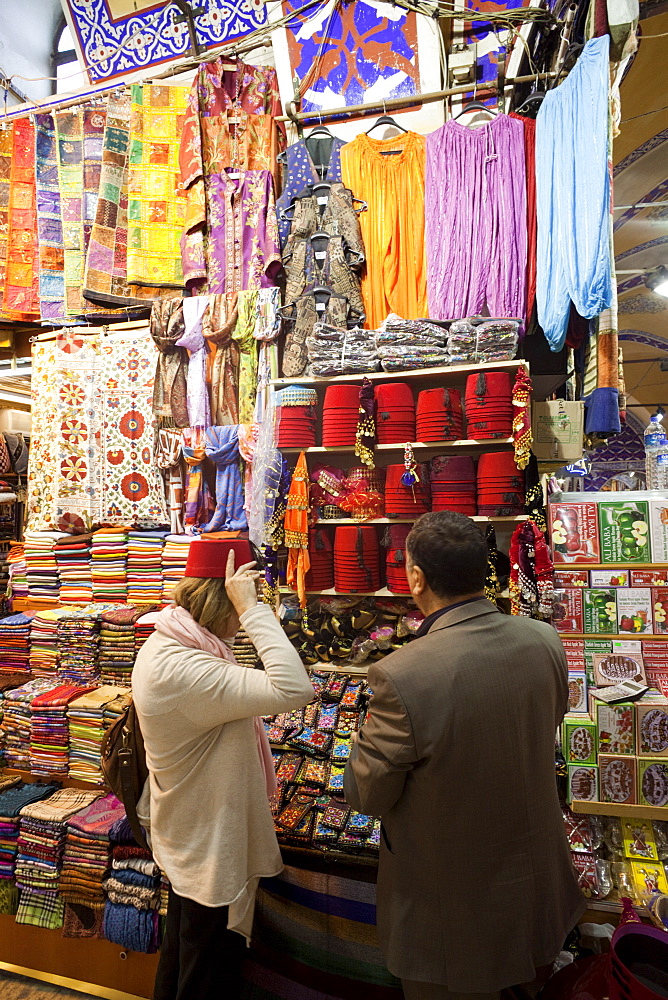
(49, 224)
(21, 290)
(244, 336)
(219, 322)
(156, 203)
(296, 530)
(168, 453)
(199, 414)
(199, 503)
(170, 385)
(222, 447)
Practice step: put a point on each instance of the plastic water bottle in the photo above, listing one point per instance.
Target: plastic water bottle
(655, 440)
(661, 468)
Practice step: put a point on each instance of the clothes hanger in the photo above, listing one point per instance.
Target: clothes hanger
(385, 119)
(532, 103)
(475, 106)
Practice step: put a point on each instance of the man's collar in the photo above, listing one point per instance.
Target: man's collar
(454, 613)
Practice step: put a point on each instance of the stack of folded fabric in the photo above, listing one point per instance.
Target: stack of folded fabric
(356, 559)
(73, 560)
(16, 562)
(15, 642)
(439, 415)
(500, 485)
(86, 722)
(461, 342)
(144, 629)
(117, 643)
(410, 344)
(145, 566)
(44, 641)
(496, 340)
(49, 732)
(109, 554)
(489, 405)
(78, 641)
(41, 566)
(321, 573)
(40, 850)
(125, 922)
(403, 500)
(395, 418)
(395, 541)
(174, 559)
(296, 417)
(87, 854)
(453, 484)
(333, 351)
(340, 413)
(12, 801)
(114, 709)
(7, 683)
(16, 721)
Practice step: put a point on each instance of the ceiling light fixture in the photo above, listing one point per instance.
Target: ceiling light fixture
(657, 280)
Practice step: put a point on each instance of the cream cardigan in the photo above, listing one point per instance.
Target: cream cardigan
(211, 827)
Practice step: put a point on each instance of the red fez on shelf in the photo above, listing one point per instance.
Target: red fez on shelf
(207, 557)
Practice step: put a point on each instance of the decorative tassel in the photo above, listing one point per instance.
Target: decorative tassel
(365, 434)
(522, 436)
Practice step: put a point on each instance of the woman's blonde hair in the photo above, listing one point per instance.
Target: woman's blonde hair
(206, 599)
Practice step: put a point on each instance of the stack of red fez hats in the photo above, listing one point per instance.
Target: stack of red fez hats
(321, 574)
(489, 405)
(340, 413)
(396, 558)
(296, 406)
(356, 559)
(406, 501)
(453, 484)
(439, 415)
(395, 416)
(500, 485)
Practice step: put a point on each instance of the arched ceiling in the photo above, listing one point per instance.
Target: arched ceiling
(640, 156)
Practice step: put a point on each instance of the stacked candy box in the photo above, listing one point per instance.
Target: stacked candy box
(624, 531)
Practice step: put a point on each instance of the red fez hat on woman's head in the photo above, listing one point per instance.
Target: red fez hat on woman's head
(207, 557)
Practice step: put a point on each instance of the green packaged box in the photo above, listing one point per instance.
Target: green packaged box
(592, 648)
(616, 731)
(579, 740)
(624, 531)
(653, 783)
(599, 611)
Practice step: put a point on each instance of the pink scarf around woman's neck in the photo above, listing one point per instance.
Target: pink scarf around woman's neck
(179, 624)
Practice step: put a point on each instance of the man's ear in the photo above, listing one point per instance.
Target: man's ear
(416, 579)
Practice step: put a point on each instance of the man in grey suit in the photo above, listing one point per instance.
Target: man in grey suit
(476, 891)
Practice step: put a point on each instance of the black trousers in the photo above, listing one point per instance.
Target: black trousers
(200, 958)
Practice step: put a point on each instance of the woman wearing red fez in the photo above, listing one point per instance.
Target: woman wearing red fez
(206, 804)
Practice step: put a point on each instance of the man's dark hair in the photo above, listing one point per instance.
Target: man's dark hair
(451, 551)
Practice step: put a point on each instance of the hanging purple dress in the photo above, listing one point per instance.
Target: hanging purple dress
(475, 219)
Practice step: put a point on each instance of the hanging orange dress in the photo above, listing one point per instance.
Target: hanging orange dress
(392, 185)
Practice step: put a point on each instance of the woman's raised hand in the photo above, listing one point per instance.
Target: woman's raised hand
(241, 584)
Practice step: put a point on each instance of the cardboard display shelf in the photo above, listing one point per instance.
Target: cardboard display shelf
(62, 779)
(619, 809)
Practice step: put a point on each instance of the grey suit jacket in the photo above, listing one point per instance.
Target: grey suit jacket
(475, 884)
